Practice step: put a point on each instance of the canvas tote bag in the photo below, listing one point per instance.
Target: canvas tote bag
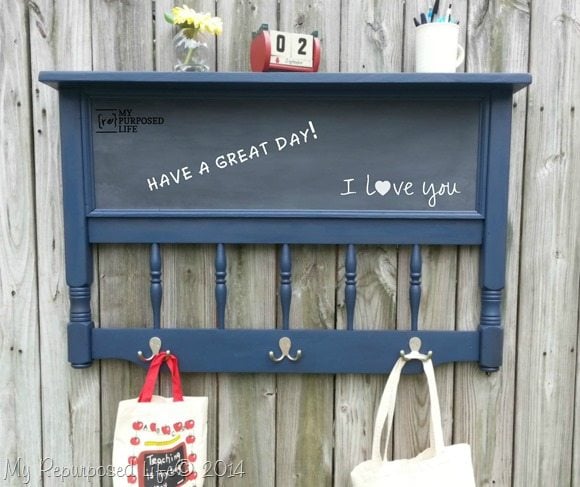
(438, 466)
(160, 441)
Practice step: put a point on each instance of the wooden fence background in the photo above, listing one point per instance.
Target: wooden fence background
(523, 423)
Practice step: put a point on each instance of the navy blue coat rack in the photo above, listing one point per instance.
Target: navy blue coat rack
(281, 158)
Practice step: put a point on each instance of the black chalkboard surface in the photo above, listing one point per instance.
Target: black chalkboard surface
(163, 468)
(295, 153)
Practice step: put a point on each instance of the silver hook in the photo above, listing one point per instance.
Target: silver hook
(155, 346)
(285, 345)
(414, 354)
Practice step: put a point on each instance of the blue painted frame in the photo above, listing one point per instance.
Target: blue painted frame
(246, 350)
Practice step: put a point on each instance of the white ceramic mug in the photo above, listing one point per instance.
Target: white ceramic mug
(437, 48)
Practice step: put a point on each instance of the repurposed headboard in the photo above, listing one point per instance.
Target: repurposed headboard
(279, 158)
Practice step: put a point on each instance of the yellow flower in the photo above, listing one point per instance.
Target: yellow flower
(202, 22)
(215, 26)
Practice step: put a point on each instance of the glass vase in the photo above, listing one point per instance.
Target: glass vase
(191, 51)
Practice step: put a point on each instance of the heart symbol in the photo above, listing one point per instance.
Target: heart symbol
(166, 430)
(190, 423)
(178, 426)
(137, 425)
(135, 441)
(190, 439)
(383, 187)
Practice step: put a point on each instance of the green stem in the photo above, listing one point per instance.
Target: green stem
(189, 55)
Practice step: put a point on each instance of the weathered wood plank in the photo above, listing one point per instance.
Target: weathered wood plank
(241, 18)
(122, 34)
(305, 17)
(371, 36)
(304, 424)
(188, 303)
(247, 403)
(576, 444)
(549, 263)
(20, 411)
(489, 430)
(437, 311)
(371, 41)
(71, 409)
(357, 396)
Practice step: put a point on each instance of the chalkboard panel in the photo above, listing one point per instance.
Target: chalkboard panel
(295, 153)
(163, 468)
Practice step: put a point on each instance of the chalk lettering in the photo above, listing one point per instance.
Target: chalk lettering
(294, 140)
(313, 129)
(175, 176)
(348, 191)
(203, 168)
(164, 181)
(254, 152)
(403, 186)
(152, 182)
(242, 155)
(220, 161)
(263, 146)
(232, 158)
(369, 193)
(172, 177)
(445, 189)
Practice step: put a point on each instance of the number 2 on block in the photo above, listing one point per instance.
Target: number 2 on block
(291, 49)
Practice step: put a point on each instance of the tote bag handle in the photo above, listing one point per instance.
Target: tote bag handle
(386, 410)
(153, 374)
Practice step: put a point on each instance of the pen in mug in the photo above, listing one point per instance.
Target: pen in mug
(448, 14)
(435, 10)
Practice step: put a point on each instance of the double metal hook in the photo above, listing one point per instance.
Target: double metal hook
(155, 346)
(285, 345)
(414, 354)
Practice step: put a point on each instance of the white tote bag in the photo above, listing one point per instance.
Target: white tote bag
(438, 466)
(160, 441)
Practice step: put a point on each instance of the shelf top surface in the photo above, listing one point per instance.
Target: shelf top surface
(69, 79)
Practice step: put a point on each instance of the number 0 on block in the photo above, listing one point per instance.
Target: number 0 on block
(273, 50)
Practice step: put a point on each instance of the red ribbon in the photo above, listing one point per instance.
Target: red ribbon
(153, 373)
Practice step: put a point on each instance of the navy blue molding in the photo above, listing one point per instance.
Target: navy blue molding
(350, 285)
(60, 79)
(221, 289)
(247, 350)
(283, 230)
(156, 287)
(416, 263)
(285, 284)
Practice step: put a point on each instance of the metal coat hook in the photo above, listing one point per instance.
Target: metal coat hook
(155, 346)
(285, 345)
(414, 354)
